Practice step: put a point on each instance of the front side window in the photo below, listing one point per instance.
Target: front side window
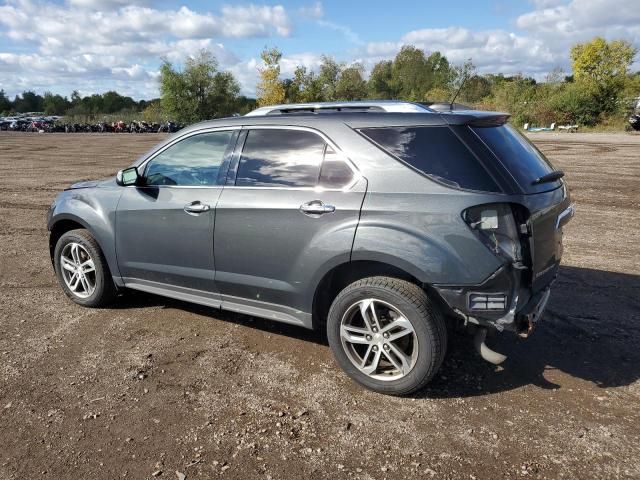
(194, 161)
(436, 152)
(280, 158)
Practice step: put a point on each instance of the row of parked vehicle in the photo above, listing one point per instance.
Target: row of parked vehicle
(49, 125)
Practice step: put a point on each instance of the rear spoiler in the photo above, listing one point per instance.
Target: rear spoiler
(491, 120)
(475, 118)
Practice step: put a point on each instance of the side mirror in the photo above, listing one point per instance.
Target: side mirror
(128, 176)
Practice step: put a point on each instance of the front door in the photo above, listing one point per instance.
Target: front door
(164, 227)
(291, 210)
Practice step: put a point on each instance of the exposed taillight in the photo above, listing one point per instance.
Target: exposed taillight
(495, 226)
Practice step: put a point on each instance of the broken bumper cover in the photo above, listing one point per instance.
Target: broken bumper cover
(501, 302)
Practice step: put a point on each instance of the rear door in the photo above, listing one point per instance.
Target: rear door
(164, 227)
(290, 209)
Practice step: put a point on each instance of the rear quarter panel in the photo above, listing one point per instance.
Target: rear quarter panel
(414, 223)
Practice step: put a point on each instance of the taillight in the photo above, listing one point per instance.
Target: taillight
(495, 226)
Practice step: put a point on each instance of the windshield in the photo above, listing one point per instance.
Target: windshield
(523, 160)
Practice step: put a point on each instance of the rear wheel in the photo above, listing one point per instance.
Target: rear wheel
(82, 269)
(386, 335)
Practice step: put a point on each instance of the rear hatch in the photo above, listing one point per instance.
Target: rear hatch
(545, 196)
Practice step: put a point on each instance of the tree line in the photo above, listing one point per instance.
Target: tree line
(54, 104)
(598, 91)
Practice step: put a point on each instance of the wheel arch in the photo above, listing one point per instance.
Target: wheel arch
(66, 222)
(338, 277)
(62, 225)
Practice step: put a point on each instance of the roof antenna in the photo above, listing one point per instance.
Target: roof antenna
(464, 80)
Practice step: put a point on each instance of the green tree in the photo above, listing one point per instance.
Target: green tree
(327, 79)
(439, 70)
(351, 84)
(410, 75)
(380, 81)
(55, 104)
(438, 94)
(28, 102)
(516, 95)
(571, 103)
(460, 77)
(476, 88)
(114, 102)
(270, 89)
(304, 87)
(198, 92)
(5, 103)
(153, 113)
(602, 67)
(75, 98)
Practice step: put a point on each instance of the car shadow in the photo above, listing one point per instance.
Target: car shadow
(137, 299)
(590, 331)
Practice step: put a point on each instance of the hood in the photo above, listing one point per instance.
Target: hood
(93, 183)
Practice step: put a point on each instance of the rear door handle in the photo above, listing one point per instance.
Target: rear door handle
(316, 207)
(196, 207)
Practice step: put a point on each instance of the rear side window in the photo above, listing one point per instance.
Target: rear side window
(335, 173)
(435, 151)
(524, 161)
(280, 158)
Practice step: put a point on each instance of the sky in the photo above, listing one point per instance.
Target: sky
(98, 45)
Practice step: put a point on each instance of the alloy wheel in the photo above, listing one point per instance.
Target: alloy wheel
(378, 339)
(78, 270)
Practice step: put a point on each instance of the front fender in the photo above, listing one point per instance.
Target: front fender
(95, 210)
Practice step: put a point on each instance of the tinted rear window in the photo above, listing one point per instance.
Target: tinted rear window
(436, 152)
(280, 158)
(523, 160)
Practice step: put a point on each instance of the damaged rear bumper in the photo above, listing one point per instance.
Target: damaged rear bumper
(502, 302)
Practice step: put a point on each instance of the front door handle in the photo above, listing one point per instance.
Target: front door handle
(196, 207)
(316, 207)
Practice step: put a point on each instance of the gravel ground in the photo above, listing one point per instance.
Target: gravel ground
(155, 388)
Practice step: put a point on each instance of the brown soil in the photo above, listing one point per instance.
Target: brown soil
(158, 386)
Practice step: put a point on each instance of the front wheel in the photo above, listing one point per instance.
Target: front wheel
(82, 270)
(387, 335)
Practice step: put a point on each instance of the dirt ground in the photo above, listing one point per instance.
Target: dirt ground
(153, 386)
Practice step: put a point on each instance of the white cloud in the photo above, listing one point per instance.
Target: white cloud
(256, 21)
(491, 50)
(543, 43)
(580, 19)
(349, 35)
(315, 11)
(104, 4)
(98, 45)
(100, 41)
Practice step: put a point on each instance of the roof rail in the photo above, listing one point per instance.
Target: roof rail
(390, 106)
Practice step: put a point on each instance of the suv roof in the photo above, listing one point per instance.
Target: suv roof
(391, 106)
(357, 118)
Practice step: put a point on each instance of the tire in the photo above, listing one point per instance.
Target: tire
(104, 290)
(393, 301)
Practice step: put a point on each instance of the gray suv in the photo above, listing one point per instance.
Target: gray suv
(380, 223)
